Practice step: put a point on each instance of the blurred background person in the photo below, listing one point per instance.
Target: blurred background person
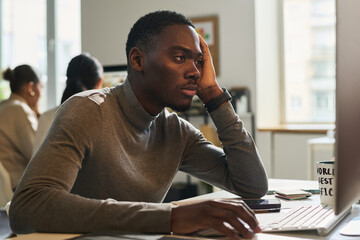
(19, 120)
(84, 72)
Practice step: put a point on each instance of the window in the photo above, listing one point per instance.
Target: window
(309, 61)
(24, 41)
(68, 32)
(23, 25)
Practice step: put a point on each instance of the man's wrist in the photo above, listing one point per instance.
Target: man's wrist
(209, 93)
(215, 103)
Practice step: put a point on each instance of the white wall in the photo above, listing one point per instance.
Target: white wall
(289, 161)
(106, 23)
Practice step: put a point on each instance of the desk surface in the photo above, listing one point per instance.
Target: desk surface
(273, 184)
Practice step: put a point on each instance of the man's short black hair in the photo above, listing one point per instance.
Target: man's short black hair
(150, 25)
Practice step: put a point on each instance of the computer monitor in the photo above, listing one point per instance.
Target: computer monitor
(114, 74)
(347, 150)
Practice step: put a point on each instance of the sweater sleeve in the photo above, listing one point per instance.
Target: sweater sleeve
(237, 167)
(43, 201)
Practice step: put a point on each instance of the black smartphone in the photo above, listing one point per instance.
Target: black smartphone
(263, 203)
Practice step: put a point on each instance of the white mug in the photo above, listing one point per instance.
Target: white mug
(326, 178)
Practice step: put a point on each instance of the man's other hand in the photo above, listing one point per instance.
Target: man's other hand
(232, 218)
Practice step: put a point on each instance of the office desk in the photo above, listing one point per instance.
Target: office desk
(273, 184)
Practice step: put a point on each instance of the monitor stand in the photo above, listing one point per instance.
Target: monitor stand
(352, 228)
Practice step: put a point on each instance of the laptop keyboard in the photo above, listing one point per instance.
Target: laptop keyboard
(303, 217)
(312, 217)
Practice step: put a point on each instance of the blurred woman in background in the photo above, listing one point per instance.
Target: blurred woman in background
(84, 72)
(19, 120)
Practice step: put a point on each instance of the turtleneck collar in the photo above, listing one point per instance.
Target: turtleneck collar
(132, 108)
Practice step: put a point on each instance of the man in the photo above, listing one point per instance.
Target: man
(111, 155)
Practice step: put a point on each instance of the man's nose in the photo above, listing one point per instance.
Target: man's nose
(193, 72)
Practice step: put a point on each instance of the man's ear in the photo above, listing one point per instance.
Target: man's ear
(136, 57)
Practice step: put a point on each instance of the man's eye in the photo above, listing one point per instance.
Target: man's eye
(199, 62)
(179, 58)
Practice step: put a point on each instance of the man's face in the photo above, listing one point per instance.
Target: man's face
(172, 67)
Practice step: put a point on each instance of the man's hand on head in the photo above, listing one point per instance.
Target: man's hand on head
(221, 215)
(208, 87)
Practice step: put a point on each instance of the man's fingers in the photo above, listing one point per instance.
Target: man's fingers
(205, 50)
(203, 45)
(227, 217)
(227, 223)
(227, 230)
(240, 210)
(232, 220)
(208, 87)
(239, 201)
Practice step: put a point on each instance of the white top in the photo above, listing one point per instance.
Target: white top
(45, 121)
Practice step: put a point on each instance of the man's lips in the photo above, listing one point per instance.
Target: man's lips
(190, 91)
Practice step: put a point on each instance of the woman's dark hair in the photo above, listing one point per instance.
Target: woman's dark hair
(83, 73)
(150, 25)
(20, 76)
